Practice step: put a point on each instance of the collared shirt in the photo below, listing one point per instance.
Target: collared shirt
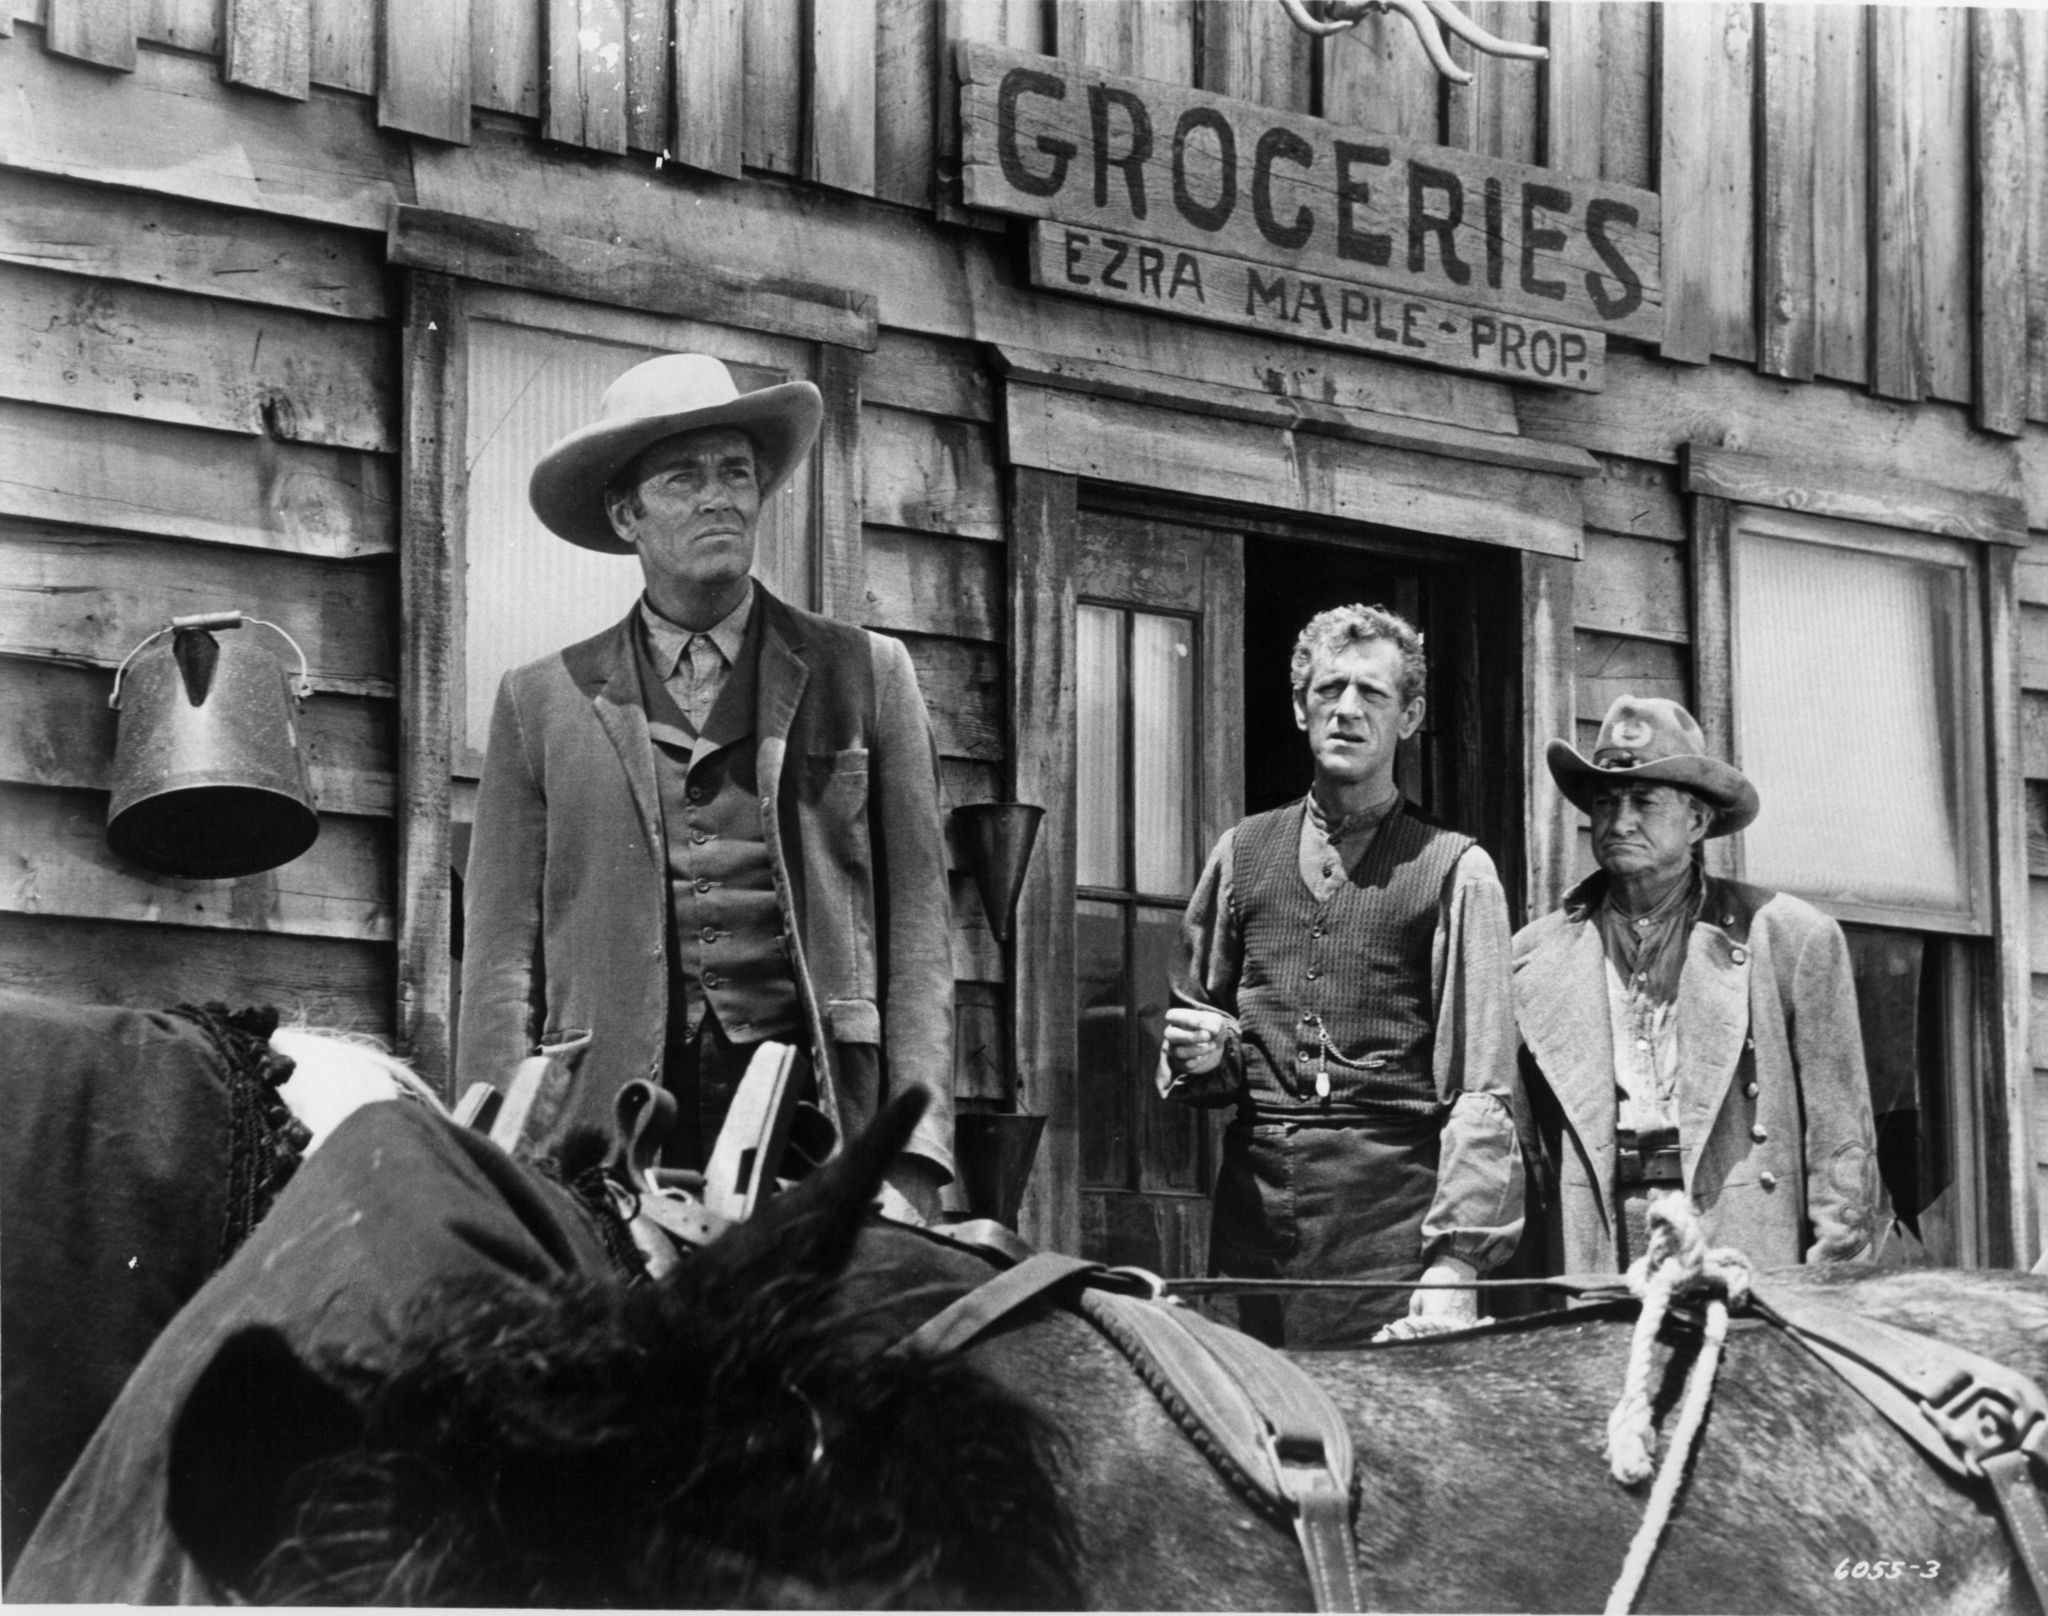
(1331, 849)
(1476, 1215)
(694, 665)
(1645, 959)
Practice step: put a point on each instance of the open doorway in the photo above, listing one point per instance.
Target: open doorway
(1463, 767)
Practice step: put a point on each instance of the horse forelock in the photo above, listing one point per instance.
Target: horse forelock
(706, 1441)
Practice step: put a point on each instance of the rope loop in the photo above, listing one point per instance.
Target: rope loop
(1677, 1265)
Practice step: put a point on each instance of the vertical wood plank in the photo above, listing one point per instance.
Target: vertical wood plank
(2034, 49)
(1375, 76)
(101, 32)
(344, 45)
(2013, 1227)
(432, 470)
(1549, 693)
(1841, 193)
(584, 94)
(1713, 650)
(1921, 143)
(423, 72)
(650, 73)
(1497, 113)
(1084, 31)
(1248, 49)
(269, 46)
(773, 103)
(711, 69)
(842, 586)
(504, 56)
(1041, 569)
(839, 143)
(1628, 98)
(1787, 45)
(1571, 82)
(906, 81)
(1999, 67)
(1019, 24)
(1705, 176)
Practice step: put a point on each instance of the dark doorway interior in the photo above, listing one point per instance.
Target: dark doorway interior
(1463, 769)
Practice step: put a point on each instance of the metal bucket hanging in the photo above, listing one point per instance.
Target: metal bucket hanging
(209, 781)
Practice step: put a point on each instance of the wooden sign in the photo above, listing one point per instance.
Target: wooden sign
(1145, 161)
(1201, 285)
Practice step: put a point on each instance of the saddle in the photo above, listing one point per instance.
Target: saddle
(1273, 1433)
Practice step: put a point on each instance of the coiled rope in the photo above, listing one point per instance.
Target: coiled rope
(1677, 1263)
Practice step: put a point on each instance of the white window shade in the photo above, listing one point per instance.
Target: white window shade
(1857, 718)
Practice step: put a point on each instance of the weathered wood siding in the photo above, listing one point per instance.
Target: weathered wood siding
(200, 395)
(196, 412)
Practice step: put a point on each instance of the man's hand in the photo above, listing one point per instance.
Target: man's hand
(1436, 1308)
(910, 1191)
(1195, 1039)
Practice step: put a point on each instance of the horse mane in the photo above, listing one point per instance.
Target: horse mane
(713, 1440)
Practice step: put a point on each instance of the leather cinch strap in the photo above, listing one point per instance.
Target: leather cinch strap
(1975, 1418)
(1270, 1429)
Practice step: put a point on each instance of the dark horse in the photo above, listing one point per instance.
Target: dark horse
(419, 1382)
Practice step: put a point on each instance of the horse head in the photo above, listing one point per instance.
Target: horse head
(711, 1439)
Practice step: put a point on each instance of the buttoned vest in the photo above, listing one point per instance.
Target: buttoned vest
(726, 947)
(1335, 998)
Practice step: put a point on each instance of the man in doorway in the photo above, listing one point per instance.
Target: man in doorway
(717, 822)
(1688, 1032)
(1345, 988)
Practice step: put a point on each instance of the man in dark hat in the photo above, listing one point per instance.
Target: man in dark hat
(717, 822)
(1684, 1031)
(1345, 987)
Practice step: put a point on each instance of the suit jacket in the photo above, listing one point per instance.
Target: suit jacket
(566, 893)
(1774, 1125)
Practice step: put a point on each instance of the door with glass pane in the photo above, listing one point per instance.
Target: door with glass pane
(1159, 644)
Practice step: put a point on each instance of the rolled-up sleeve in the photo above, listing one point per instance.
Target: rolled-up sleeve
(1479, 1206)
(1205, 978)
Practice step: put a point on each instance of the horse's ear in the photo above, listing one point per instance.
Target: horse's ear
(255, 1416)
(812, 1227)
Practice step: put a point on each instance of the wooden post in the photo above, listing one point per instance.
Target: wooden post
(1043, 516)
(1713, 650)
(840, 566)
(1549, 712)
(2012, 1229)
(431, 459)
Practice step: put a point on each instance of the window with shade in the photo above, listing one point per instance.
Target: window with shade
(1859, 715)
(1859, 709)
(1137, 854)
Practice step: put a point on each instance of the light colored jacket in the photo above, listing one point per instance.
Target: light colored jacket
(567, 890)
(1775, 1136)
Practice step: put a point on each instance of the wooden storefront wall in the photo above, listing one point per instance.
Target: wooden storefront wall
(203, 386)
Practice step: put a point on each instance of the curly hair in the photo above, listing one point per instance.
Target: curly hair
(1340, 626)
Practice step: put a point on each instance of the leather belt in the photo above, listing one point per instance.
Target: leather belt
(1650, 1158)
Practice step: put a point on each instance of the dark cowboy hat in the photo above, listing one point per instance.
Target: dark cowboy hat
(662, 398)
(1657, 742)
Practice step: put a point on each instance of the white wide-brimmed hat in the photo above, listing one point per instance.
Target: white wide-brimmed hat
(657, 399)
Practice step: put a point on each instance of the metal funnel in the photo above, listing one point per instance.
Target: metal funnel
(996, 839)
(994, 1150)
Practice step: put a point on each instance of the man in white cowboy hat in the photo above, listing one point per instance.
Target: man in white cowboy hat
(1345, 988)
(717, 822)
(1685, 1031)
